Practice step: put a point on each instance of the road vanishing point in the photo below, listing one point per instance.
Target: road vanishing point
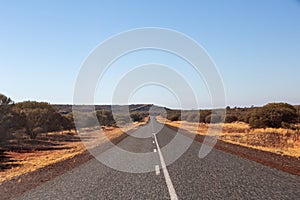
(219, 175)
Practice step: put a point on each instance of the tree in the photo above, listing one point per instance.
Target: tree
(230, 118)
(6, 120)
(68, 122)
(105, 118)
(9, 121)
(4, 100)
(39, 117)
(138, 116)
(204, 115)
(273, 115)
(174, 115)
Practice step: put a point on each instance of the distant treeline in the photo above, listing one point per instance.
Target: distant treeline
(64, 109)
(33, 118)
(107, 118)
(273, 115)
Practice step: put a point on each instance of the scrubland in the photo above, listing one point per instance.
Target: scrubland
(276, 140)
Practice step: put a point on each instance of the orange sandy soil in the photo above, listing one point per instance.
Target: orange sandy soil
(50, 148)
(279, 141)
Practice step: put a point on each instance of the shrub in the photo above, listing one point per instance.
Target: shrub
(37, 116)
(173, 115)
(106, 118)
(9, 122)
(231, 118)
(138, 116)
(274, 115)
(4, 100)
(204, 115)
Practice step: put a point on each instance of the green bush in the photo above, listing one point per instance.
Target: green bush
(9, 121)
(230, 118)
(204, 115)
(39, 116)
(274, 115)
(173, 115)
(4, 100)
(105, 118)
(138, 116)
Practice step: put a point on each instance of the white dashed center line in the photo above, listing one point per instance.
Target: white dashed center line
(154, 150)
(157, 172)
(170, 186)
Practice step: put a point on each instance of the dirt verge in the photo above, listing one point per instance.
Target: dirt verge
(14, 187)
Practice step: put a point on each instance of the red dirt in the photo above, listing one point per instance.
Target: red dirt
(18, 185)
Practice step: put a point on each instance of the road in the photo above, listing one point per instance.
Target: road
(217, 176)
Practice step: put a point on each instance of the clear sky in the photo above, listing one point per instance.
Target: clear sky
(255, 45)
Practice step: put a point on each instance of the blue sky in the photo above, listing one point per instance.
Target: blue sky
(255, 45)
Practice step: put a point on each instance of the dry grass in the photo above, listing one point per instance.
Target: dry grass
(279, 141)
(27, 161)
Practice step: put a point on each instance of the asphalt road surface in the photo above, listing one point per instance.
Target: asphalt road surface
(217, 176)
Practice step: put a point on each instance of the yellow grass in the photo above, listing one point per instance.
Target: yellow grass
(280, 141)
(31, 161)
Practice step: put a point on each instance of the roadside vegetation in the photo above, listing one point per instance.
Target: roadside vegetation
(273, 127)
(36, 134)
(272, 115)
(30, 118)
